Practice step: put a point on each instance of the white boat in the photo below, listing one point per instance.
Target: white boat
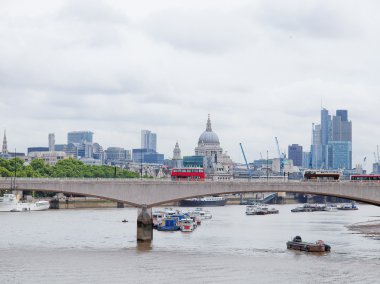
(9, 203)
(330, 208)
(251, 209)
(347, 206)
(157, 217)
(187, 225)
(204, 214)
(259, 209)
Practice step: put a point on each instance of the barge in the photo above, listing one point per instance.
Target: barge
(298, 244)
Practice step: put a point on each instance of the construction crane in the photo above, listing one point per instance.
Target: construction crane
(246, 163)
(281, 156)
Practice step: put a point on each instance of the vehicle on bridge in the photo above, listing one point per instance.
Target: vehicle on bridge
(317, 175)
(365, 178)
(191, 174)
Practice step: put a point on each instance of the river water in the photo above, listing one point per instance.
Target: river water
(94, 246)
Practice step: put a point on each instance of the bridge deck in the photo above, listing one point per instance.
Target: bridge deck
(154, 192)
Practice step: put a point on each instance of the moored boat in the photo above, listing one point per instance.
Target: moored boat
(298, 244)
(309, 208)
(204, 201)
(157, 217)
(347, 206)
(187, 225)
(330, 208)
(202, 213)
(168, 224)
(260, 209)
(273, 211)
(9, 203)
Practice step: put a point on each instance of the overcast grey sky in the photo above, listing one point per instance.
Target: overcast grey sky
(260, 68)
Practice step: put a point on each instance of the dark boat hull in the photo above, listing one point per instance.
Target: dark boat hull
(310, 247)
(202, 203)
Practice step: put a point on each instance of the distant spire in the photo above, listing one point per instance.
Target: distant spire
(5, 146)
(208, 127)
(177, 152)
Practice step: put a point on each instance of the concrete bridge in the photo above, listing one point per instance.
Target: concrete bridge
(148, 193)
(155, 192)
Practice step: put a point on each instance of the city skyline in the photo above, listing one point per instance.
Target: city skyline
(260, 69)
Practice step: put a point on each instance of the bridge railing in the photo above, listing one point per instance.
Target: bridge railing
(165, 180)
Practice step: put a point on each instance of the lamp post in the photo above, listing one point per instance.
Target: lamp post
(267, 166)
(141, 155)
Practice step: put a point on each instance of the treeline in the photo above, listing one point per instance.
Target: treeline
(70, 168)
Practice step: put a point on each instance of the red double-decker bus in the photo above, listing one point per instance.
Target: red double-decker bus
(375, 178)
(193, 174)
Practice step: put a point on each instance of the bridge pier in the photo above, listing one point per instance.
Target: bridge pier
(144, 224)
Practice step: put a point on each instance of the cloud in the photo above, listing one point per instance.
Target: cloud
(260, 69)
(207, 31)
(307, 18)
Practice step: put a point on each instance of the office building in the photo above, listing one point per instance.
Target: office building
(49, 157)
(51, 142)
(117, 155)
(79, 137)
(306, 160)
(147, 156)
(340, 154)
(148, 140)
(295, 154)
(37, 149)
(193, 161)
(154, 158)
(332, 141)
(316, 147)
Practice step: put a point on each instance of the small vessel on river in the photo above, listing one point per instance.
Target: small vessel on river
(259, 209)
(169, 224)
(309, 208)
(298, 244)
(9, 203)
(204, 201)
(201, 213)
(347, 206)
(187, 225)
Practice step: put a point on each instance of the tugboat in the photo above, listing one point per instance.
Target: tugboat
(298, 244)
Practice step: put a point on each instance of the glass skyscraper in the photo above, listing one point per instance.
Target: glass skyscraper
(148, 140)
(340, 154)
(332, 141)
(79, 137)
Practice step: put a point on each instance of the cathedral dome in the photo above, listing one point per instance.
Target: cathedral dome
(208, 136)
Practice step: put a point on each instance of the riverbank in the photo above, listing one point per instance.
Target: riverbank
(370, 229)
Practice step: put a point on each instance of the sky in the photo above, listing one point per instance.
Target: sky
(261, 69)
